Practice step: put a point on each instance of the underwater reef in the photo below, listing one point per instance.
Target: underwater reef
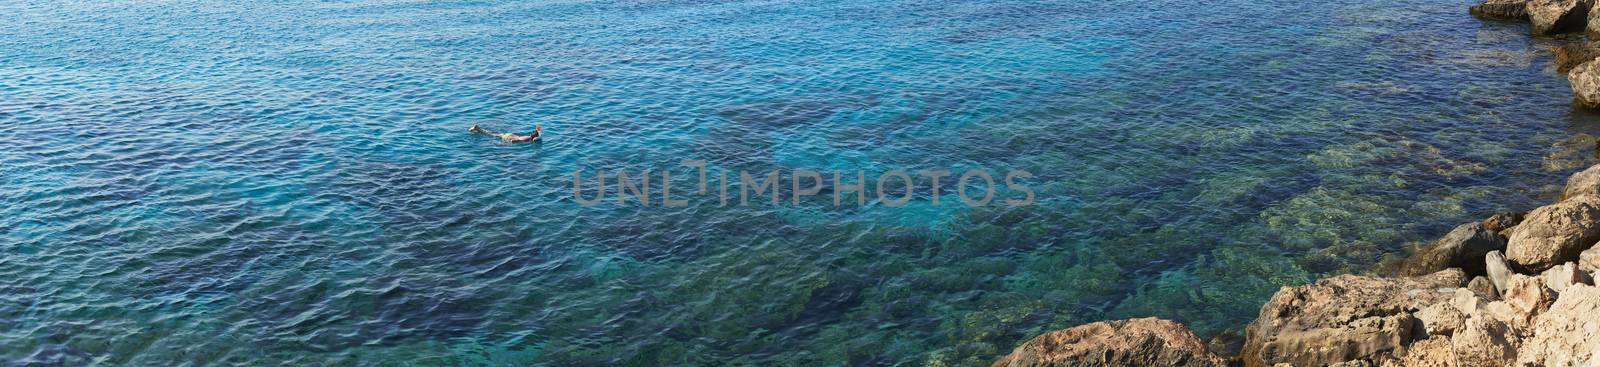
(1514, 289)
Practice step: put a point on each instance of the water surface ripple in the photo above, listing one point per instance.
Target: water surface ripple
(263, 183)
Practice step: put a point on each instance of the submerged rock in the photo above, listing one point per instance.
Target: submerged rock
(1555, 233)
(1226, 344)
(1501, 9)
(1135, 342)
(1344, 318)
(1551, 17)
(1570, 55)
(1464, 247)
(1585, 80)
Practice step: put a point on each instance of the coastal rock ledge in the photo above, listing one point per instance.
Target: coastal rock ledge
(1136, 342)
(1514, 291)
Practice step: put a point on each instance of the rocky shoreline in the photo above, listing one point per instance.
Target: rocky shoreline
(1515, 289)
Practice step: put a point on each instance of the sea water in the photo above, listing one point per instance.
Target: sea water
(263, 183)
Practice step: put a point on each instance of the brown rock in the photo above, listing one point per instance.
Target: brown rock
(1482, 287)
(1344, 318)
(1586, 181)
(1503, 221)
(1464, 247)
(1430, 352)
(1226, 344)
(1585, 80)
(1528, 295)
(1568, 334)
(1555, 233)
(1135, 342)
(1482, 341)
(1501, 9)
(1570, 55)
(1440, 319)
(1589, 260)
(1551, 17)
(1592, 29)
(1518, 322)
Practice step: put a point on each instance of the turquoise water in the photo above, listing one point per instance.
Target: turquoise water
(208, 182)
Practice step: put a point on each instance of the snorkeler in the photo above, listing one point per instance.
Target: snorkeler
(509, 137)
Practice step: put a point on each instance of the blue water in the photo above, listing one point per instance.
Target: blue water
(264, 183)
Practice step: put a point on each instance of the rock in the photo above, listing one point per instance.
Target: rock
(1555, 233)
(1586, 181)
(1568, 334)
(1551, 17)
(1528, 295)
(1466, 301)
(1570, 55)
(1430, 352)
(1561, 277)
(1344, 318)
(1592, 25)
(1501, 9)
(1499, 273)
(1135, 342)
(1464, 247)
(1589, 260)
(1440, 319)
(1585, 80)
(1482, 287)
(1503, 221)
(1482, 341)
(1226, 343)
(1517, 321)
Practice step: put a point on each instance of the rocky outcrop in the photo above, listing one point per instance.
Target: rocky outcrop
(1551, 17)
(1464, 247)
(1501, 9)
(1555, 233)
(1351, 320)
(1336, 318)
(1136, 342)
(1540, 308)
(1585, 80)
